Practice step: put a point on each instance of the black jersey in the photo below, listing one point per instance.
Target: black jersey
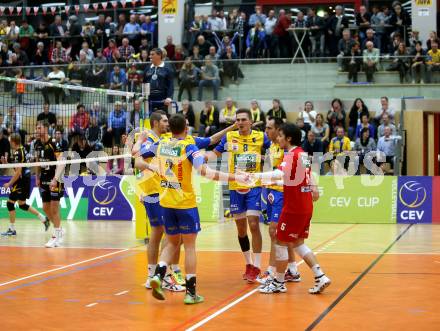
(19, 156)
(45, 152)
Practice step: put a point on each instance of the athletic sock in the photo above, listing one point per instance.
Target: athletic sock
(271, 270)
(175, 268)
(161, 270)
(257, 260)
(191, 284)
(151, 269)
(42, 217)
(292, 267)
(248, 257)
(280, 277)
(12, 226)
(58, 232)
(317, 270)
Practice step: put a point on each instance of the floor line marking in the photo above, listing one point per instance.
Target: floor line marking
(121, 293)
(356, 281)
(64, 267)
(91, 304)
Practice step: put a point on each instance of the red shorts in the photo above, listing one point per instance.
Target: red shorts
(293, 226)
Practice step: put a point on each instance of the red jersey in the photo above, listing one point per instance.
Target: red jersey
(297, 191)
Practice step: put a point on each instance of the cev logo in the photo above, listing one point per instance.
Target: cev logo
(104, 192)
(412, 194)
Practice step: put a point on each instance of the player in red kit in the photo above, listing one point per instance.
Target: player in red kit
(293, 226)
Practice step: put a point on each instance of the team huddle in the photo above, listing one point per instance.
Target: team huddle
(167, 161)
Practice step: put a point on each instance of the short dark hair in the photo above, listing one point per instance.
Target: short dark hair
(364, 130)
(158, 51)
(80, 106)
(15, 138)
(293, 132)
(244, 111)
(156, 116)
(177, 123)
(276, 121)
(44, 123)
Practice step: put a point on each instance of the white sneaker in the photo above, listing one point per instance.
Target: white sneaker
(147, 283)
(60, 236)
(265, 279)
(169, 284)
(52, 243)
(320, 284)
(274, 287)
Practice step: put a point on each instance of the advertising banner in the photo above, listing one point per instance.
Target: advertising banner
(414, 200)
(355, 202)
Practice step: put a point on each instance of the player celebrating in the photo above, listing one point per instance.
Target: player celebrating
(48, 179)
(275, 205)
(176, 158)
(293, 225)
(245, 148)
(20, 184)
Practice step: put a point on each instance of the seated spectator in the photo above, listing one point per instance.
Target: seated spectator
(386, 123)
(148, 29)
(188, 112)
(300, 124)
(115, 166)
(231, 67)
(99, 71)
(196, 57)
(321, 130)
(126, 50)
(145, 46)
(340, 145)
(256, 41)
(49, 117)
(59, 55)
(136, 115)
(277, 111)
(83, 149)
(111, 52)
(56, 76)
(385, 109)
(433, 63)
(189, 78)
(345, 46)
(79, 122)
(336, 116)
(26, 35)
(258, 117)
(308, 115)
(388, 146)
(370, 38)
(224, 43)
(5, 149)
(353, 63)
(209, 120)
(203, 45)
(13, 122)
(209, 77)
(227, 114)
(117, 122)
(418, 63)
(94, 135)
(40, 58)
(134, 78)
(179, 57)
(432, 37)
(401, 62)
(356, 112)
(170, 48)
(118, 79)
(76, 75)
(370, 60)
(312, 145)
(363, 18)
(363, 145)
(215, 61)
(90, 56)
(100, 113)
(365, 124)
(59, 139)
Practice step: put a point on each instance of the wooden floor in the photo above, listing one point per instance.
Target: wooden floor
(385, 277)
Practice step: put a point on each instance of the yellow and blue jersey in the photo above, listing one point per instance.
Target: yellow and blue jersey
(244, 153)
(276, 155)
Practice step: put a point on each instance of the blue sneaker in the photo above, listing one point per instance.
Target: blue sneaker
(9, 233)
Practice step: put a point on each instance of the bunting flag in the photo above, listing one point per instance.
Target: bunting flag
(76, 9)
(114, 4)
(142, 2)
(2, 10)
(28, 11)
(44, 10)
(66, 9)
(19, 10)
(53, 10)
(95, 6)
(86, 7)
(104, 5)
(36, 10)
(123, 3)
(11, 10)
(133, 3)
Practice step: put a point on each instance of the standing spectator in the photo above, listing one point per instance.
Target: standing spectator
(189, 76)
(59, 55)
(386, 123)
(401, 62)
(370, 59)
(227, 114)
(418, 63)
(75, 37)
(57, 28)
(94, 135)
(365, 124)
(317, 37)
(363, 22)
(353, 63)
(188, 112)
(308, 115)
(26, 35)
(321, 130)
(170, 48)
(336, 26)
(378, 23)
(336, 116)
(194, 30)
(49, 117)
(20, 88)
(388, 146)
(258, 117)
(117, 123)
(401, 20)
(148, 29)
(99, 71)
(281, 36)
(345, 46)
(41, 34)
(258, 16)
(256, 41)
(242, 27)
(119, 31)
(433, 63)
(209, 77)
(209, 120)
(385, 109)
(118, 79)
(358, 110)
(79, 122)
(277, 110)
(102, 30)
(363, 145)
(160, 77)
(126, 50)
(269, 26)
(214, 21)
(56, 76)
(132, 30)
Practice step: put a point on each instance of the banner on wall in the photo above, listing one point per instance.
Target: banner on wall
(414, 200)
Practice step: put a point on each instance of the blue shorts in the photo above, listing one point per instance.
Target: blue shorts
(274, 205)
(181, 221)
(242, 202)
(154, 210)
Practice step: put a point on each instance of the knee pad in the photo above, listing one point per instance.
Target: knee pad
(302, 250)
(10, 206)
(24, 206)
(281, 253)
